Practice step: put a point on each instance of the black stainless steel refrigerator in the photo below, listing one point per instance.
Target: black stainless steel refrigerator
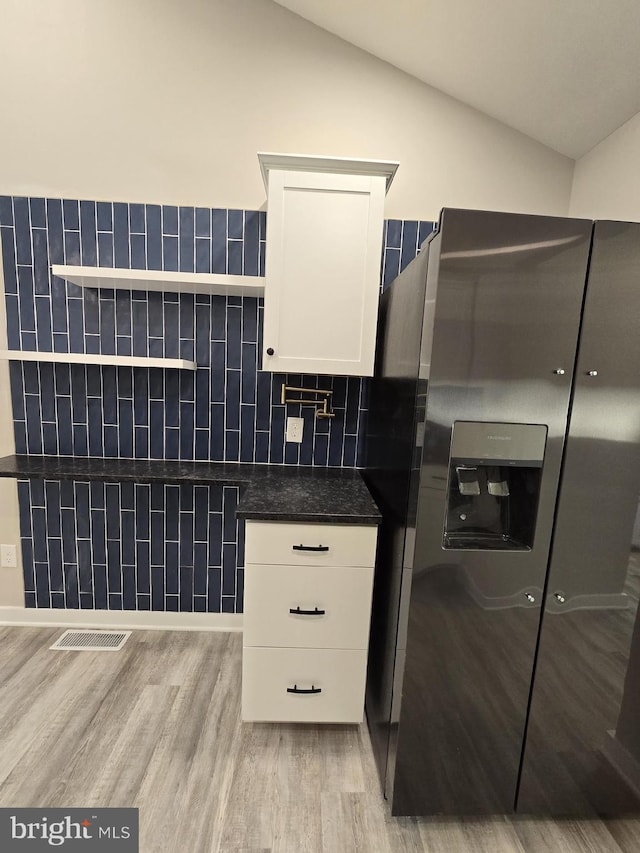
(503, 449)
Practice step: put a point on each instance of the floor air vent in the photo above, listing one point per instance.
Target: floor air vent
(91, 641)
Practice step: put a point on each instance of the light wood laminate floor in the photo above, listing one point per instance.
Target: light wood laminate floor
(157, 726)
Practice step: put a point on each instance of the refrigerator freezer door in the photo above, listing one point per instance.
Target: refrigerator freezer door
(583, 736)
(507, 314)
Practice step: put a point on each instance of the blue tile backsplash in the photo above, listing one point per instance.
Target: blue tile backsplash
(173, 548)
(126, 546)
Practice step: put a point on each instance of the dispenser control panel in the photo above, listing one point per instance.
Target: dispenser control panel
(493, 485)
(504, 444)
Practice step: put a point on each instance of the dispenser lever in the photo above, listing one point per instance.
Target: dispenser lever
(497, 484)
(468, 480)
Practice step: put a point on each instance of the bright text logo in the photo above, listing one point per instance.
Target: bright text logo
(32, 830)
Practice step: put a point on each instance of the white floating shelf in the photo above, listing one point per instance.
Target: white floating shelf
(83, 358)
(163, 282)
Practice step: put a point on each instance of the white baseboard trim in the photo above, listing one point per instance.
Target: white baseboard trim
(149, 620)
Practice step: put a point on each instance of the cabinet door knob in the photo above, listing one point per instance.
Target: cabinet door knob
(270, 351)
(530, 598)
(592, 372)
(559, 371)
(559, 597)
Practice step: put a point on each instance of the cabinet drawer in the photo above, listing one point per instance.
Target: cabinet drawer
(271, 592)
(279, 543)
(337, 676)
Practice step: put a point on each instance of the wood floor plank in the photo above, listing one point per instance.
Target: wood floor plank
(403, 832)
(187, 669)
(545, 835)
(122, 772)
(157, 726)
(354, 822)
(625, 832)
(297, 826)
(341, 756)
(38, 744)
(201, 801)
(19, 647)
(124, 724)
(256, 789)
(350, 822)
(38, 671)
(481, 835)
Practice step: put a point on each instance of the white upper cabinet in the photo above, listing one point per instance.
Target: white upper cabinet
(324, 244)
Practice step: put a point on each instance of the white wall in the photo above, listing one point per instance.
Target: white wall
(169, 101)
(606, 182)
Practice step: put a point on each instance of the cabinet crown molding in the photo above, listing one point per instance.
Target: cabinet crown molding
(320, 163)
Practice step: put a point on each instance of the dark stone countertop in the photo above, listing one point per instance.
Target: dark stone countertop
(292, 493)
(122, 470)
(268, 492)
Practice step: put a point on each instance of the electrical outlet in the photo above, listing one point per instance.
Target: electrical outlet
(8, 556)
(294, 430)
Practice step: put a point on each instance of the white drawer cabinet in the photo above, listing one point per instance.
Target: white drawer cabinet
(306, 621)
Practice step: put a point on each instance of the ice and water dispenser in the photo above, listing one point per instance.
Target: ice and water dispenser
(494, 485)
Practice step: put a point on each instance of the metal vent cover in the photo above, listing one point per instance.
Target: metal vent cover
(75, 640)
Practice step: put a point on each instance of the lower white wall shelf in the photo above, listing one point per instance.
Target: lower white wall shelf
(157, 280)
(86, 358)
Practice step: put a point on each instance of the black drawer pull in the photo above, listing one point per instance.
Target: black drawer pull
(310, 547)
(298, 612)
(296, 689)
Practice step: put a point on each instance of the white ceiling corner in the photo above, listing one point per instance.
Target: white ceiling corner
(564, 72)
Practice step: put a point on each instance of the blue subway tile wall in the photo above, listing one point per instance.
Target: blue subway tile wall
(226, 411)
(126, 546)
(402, 241)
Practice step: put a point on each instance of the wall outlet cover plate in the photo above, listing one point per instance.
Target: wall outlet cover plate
(8, 556)
(294, 430)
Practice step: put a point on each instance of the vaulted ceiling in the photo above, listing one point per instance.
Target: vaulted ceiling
(565, 72)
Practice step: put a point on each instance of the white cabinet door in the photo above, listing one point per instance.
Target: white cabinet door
(324, 244)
